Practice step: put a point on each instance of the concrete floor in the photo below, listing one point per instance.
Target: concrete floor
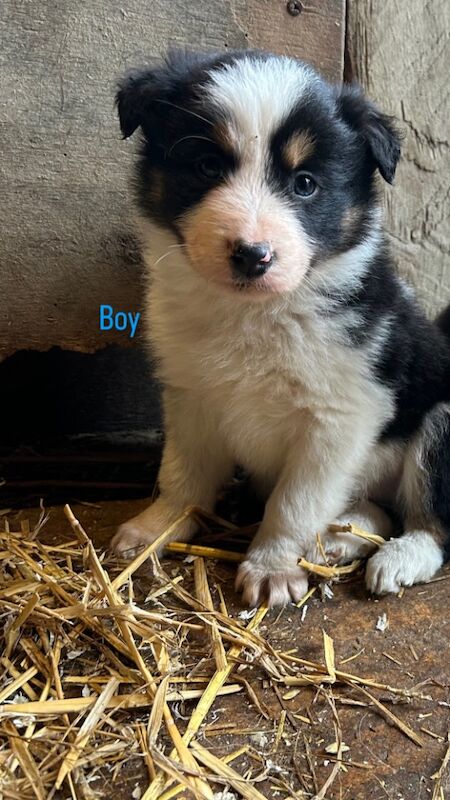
(413, 651)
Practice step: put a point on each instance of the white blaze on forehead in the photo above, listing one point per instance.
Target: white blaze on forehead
(254, 98)
(259, 94)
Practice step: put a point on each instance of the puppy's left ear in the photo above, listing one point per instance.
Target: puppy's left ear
(134, 98)
(379, 131)
(144, 94)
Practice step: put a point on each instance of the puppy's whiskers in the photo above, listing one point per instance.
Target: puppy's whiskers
(170, 252)
(186, 138)
(186, 110)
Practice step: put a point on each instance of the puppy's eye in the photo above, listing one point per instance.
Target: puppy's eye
(209, 167)
(304, 184)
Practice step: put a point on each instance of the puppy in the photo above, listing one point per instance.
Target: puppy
(285, 341)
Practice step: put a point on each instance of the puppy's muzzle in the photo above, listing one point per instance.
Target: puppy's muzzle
(251, 259)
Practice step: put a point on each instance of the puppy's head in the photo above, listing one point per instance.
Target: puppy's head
(257, 165)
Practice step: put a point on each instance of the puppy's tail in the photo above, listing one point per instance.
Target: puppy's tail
(443, 321)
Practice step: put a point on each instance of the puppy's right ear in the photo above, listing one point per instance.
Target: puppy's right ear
(378, 131)
(137, 91)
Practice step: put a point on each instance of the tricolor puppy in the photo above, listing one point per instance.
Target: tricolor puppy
(285, 341)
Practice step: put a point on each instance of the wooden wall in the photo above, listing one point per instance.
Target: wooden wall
(400, 52)
(66, 244)
(65, 236)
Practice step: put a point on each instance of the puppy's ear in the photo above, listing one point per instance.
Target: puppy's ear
(378, 130)
(144, 93)
(137, 91)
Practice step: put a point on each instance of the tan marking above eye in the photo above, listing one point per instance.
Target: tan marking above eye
(226, 136)
(297, 149)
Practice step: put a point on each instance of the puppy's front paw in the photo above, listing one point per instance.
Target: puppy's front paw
(276, 588)
(145, 528)
(132, 537)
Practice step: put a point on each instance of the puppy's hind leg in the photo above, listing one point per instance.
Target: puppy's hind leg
(424, 496)
(412, 558)
(194, 465)
(342, 547)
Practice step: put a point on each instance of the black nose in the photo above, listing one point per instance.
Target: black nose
(251, 259)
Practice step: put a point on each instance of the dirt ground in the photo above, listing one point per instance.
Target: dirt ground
(411, 652)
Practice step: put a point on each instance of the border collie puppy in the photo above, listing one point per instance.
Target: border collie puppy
(285, 341)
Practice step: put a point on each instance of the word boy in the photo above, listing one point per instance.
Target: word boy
(119, 320)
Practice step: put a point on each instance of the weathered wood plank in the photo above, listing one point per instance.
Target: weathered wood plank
(65, 243)
(400, 53)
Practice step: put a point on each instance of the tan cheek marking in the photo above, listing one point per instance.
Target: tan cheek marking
(204, 240)
(297, 149)
(351, 220)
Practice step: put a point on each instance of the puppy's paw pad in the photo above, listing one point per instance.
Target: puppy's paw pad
(277, 588)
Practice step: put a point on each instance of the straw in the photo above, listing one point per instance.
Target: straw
(95, 667)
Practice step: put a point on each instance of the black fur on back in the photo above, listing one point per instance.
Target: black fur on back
(415, 355)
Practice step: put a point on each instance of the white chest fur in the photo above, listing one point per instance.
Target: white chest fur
(262, 369)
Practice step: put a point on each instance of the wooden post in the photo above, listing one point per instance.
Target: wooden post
(400, 53)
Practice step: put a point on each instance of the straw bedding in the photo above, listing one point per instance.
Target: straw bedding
(96, 674)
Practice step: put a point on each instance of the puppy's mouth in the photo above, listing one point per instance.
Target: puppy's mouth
(245, 285)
